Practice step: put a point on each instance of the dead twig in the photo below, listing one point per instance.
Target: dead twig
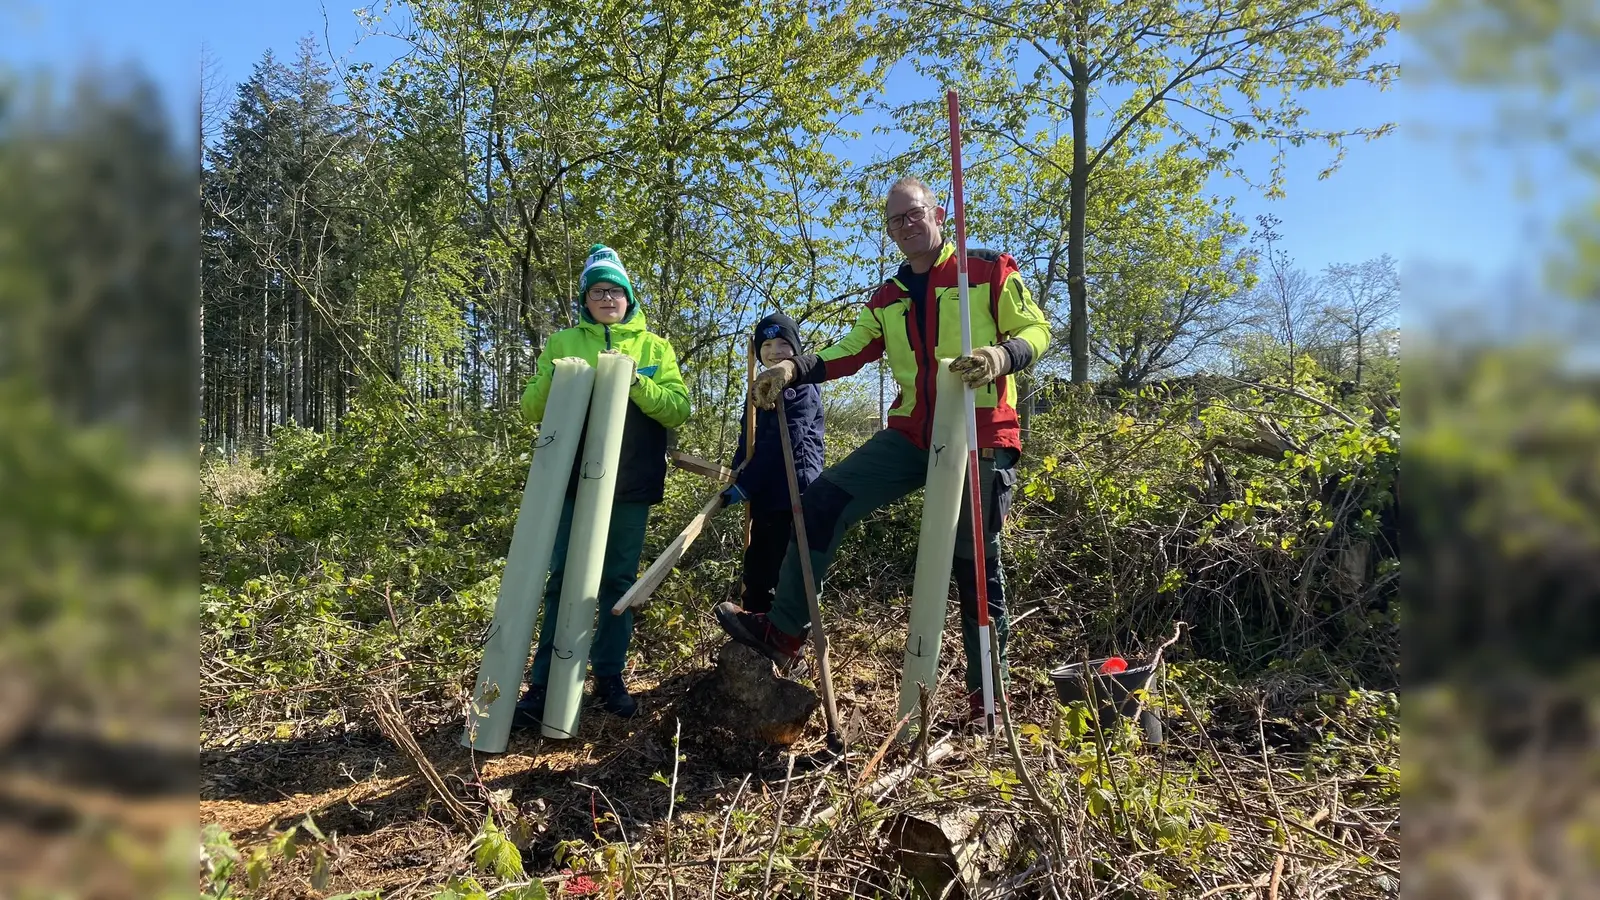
(777, 829)
(1235, 886)
(1049, 810)
(1277, 875)
(393, 724)
(887, 782)
(882, 749)
(722, 842)
(672, 799)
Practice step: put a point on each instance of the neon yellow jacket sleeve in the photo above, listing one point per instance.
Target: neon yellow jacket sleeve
(1020, 317)
(537, 392)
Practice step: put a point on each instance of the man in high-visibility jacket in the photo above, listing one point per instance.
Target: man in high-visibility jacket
(914, 320)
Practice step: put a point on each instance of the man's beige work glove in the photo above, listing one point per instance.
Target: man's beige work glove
(769, 385)
(984, 365)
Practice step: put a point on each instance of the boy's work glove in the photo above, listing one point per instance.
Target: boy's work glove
(982, 366)
(733, 496)
(768, 389)
(639, 375)
(634, 378)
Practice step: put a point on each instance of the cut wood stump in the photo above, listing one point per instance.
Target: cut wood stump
(939, 846)
(740, 711)
(760, 704)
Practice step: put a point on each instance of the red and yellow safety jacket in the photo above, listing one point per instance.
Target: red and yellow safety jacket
(900, 326)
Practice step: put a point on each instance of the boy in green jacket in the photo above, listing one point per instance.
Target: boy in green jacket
(612, 320)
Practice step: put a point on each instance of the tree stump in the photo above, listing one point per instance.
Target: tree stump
(740, 711)
(938, 846)
(760, 704)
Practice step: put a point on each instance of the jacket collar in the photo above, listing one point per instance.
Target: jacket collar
(634, 322)
(947, 251)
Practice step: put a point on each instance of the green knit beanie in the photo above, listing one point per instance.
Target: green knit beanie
(604, 265)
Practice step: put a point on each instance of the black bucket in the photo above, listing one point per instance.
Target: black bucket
(1115, 693)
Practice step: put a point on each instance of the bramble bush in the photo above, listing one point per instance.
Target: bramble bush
(380, 544)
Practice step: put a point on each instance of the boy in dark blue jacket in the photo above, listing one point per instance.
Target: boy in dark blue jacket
(764, 484)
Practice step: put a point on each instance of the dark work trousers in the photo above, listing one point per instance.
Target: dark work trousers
(763, 559)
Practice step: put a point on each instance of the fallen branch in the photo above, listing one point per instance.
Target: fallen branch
(393, 725)
(1269, 442)
(872, 764)
(887, 782)
(1155, 664)
(1277, 878)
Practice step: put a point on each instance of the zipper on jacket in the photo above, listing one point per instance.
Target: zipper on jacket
(608, 335)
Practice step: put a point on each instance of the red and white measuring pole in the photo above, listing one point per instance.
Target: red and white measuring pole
(974, 487)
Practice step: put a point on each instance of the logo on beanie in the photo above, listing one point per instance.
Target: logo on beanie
(771, 331)
(604, 265)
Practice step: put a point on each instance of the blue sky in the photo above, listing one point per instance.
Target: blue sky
(1422, 199)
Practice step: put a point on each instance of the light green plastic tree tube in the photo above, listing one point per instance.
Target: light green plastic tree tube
(505, 654)
(941, 513)
(586, 550)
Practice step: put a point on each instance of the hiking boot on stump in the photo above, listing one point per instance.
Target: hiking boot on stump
(756, 631)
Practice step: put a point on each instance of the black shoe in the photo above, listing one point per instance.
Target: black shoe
(614, 697)
(530, 709)
(755, 630)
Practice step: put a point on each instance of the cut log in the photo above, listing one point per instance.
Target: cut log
(937, 847)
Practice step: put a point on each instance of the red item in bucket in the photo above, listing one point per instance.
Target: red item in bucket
(1113, 665)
